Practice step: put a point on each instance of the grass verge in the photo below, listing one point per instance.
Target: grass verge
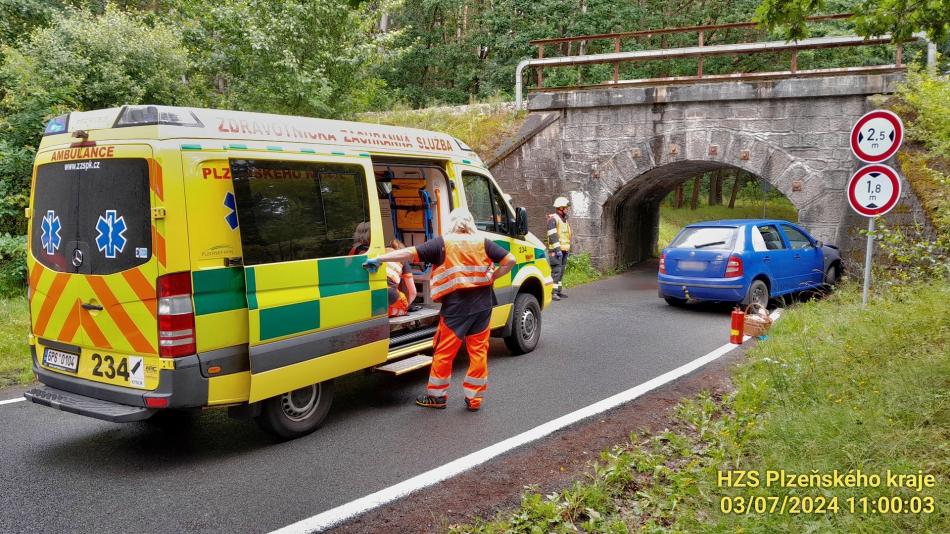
(673, 220)
(580, 271)
(829, 390)
(14, 353)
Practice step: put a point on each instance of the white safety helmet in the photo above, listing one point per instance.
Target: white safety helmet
(561, 202)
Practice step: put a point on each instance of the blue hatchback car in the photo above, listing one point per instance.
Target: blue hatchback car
(744, 261)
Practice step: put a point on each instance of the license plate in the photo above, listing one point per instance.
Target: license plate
(63, 361)
(692, 265)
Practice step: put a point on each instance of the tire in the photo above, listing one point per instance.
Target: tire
(832, 275)
(675, 302)
(298, 412)
(758, 294)
(526, 325)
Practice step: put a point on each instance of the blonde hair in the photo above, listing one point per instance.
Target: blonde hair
(462, 222)
(361, 234)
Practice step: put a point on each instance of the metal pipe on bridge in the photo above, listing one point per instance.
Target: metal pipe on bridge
(695, 51)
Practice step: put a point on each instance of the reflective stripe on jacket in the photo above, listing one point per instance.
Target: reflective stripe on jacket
(393, 272)
(466, 265)
(559, 233)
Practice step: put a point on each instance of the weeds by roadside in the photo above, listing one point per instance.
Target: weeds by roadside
(580, 270)
(830, 389)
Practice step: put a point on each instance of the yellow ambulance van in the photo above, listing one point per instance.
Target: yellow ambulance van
(184, 258)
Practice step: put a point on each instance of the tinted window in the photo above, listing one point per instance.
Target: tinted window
(773, 241)
(486, 204)
(796, 239)
(707, 238)
(292, 211)
(99, 207)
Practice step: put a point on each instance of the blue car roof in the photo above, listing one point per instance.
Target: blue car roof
(737, 222)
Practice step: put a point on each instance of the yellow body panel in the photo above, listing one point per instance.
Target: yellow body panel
(229, 389)
(499, 316)
(219, 330)
(271, 383)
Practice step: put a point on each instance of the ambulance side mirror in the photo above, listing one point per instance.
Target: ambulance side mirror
(521, 222)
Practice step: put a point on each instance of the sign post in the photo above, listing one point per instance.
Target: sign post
(872, 192)
(875, 189)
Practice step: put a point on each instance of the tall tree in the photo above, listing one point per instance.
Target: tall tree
(900, 18)
(81, 61)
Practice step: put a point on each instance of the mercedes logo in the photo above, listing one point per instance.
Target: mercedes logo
(77, 258)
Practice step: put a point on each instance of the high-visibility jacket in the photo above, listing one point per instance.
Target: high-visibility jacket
(466, 265)
(559, 233)
(394, 272)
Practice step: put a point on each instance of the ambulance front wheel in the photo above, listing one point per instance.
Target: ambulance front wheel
(526, 326)
(298, 412)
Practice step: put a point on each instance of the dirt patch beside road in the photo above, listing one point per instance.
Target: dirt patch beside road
(552, 463)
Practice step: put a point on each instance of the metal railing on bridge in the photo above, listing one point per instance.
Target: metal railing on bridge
(700, 51)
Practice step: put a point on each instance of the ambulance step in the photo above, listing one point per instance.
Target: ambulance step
(88, 406)
(404, 366)
(416, 335)
(418, 315)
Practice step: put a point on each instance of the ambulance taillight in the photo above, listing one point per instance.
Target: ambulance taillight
(176, 316)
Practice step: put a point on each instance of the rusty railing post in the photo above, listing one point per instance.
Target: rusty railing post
(540, 70)
(794, 61)
(699, 73)
(616, 65)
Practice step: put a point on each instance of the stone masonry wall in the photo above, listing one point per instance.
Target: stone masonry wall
(629, 147)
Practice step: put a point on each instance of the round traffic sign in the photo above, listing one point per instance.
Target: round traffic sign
(876, 136)
(874, 190)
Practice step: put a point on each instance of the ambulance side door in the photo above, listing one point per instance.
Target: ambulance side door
(314, 312)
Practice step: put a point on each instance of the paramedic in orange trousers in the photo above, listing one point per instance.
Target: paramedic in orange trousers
(465, 269)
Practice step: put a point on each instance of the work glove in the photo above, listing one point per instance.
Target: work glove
(371, 265)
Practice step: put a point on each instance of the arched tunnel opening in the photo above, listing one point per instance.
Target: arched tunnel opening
(651, 208)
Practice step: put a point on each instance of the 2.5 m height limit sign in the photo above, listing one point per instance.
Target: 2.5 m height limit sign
(877, 136)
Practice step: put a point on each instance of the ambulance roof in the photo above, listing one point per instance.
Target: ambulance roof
(169, 122)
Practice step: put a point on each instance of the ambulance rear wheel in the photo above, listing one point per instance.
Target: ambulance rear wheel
(526, 327)
(298, 412)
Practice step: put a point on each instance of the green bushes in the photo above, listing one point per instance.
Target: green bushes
(12, 265)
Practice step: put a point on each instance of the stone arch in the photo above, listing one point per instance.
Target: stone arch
(628, 186)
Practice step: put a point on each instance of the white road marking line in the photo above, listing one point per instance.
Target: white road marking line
(352, 509)
(11, 401)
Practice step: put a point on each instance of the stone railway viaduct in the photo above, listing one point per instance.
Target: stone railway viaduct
(616, 152)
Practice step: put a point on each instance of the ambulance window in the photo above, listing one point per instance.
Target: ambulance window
(101, 208)
(486, 204)
(294, 210)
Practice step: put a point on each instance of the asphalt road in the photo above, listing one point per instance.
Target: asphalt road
(65, 473)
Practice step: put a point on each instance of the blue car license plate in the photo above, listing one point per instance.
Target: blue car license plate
(692, 265)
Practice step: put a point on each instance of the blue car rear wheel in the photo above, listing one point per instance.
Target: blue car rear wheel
(758, 294)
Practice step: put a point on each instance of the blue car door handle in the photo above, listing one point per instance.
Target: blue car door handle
(765, 258)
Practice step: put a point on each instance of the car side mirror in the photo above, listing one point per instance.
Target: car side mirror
(521, 221)
(819, 244)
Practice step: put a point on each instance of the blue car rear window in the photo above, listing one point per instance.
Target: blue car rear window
(706, 238)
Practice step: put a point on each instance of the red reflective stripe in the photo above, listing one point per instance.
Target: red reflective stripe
(119, 316)
(49, 302)
(71, 326)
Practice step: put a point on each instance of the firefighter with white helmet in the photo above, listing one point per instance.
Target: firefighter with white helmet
(559, 243)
